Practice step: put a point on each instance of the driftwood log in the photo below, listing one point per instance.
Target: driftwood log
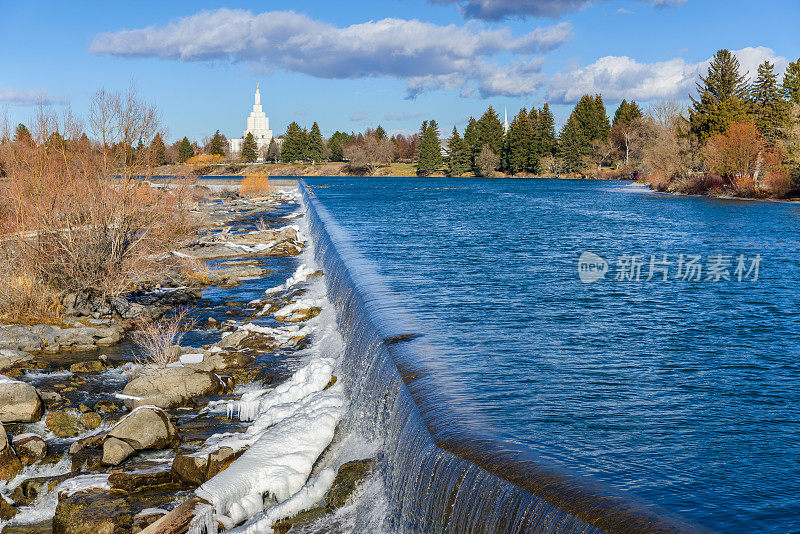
(177, 521)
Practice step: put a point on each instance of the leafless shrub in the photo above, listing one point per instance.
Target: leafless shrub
(261, 225)
(161, 338)
(487, 162)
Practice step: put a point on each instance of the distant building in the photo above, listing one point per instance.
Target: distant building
(258, 125)
(505, 121)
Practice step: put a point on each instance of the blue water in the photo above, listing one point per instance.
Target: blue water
(684, 393)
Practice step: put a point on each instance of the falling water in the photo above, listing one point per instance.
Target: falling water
(441, 475)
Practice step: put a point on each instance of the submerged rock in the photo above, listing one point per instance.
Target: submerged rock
(347, 480)
(30, 448)
(19, 402)
(92, 513)
(63, 424)
(91, 420)
(93, 366)
(171, 387)
(6, 510)
(31, 488)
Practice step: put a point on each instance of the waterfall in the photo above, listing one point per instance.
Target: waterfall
(440, 474)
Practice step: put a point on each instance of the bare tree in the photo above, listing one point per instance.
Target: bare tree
(487, 162)
(369, 153)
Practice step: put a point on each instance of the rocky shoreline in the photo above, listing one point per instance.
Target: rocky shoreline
(238, 428)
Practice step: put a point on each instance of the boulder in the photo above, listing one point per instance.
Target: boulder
(194, 469)
(6, 510)
(171, 387)
(93, 366)
(19, 402)
(233, 339)
(63, 424)
(10, 466)
(10, 358)
(143, 475)
(116, 451)
(144, 428)
(221, 361)
(30, 448)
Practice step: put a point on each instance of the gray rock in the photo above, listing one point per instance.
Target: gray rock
(146, 428)
(11, 357)
(19, 402)
(233, 339)
(116, 451)
(171, 387)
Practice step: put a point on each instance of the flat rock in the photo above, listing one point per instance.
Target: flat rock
(10, 358)
(63, 424)
(171, 387)
(145, 474)
(92, 513)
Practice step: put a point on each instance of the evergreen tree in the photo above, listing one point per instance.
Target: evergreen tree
(380, 133)
(598, 126)
(770, 110)
(294, 144)
(457, 155)
(22, 134)
(430, 150)
(273, 152)
(520, 144)
(216, 147)
(158, 151)
(490, 132)
(336, 145)
(315, 147)
(185, 150)
(723, 96)
(791, 82)
(471, 140)
(546, 132)
(249, 148)
(573, 143)
(626, 113)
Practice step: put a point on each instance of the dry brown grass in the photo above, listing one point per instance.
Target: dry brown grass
(77, 215)
(160, 338)
(254, 185)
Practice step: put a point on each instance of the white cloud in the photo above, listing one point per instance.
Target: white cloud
(426, 54)
(618, 77)
(358, 116)
(504, 9)
(28, 97)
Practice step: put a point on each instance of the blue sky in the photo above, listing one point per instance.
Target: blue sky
(353, 64)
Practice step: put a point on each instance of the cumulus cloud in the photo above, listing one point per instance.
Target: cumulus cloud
(27, 97)
(618, 77)
(426, 54)
(358, 116)
(504, 9)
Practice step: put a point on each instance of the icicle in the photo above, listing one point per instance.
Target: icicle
(203, 521)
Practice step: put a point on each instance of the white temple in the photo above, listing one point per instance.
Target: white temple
(258, 125)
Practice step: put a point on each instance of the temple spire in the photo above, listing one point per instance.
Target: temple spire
(258, 96)
(505, 120)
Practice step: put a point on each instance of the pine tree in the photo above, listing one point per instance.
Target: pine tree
(22, 134)
(158, 151)
(216, 147)
(574, 144)
(791, 82)
(315, 148)
(457, 155)
(490, 131)
(770, 110)
(336, 145)
(520, 144)
(185, 150)
(380, 133)
(723, 96)
(626, 113)
(471, 140)
(546, 134)
(430, 150)
(294, 144)
(600, 124)
(249, 148)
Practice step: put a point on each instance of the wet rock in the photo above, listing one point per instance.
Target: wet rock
(106, 406)
(299, 315)
(6, 510)
(10, 465)
(10, 358)
(144, 428)
(29, 490)
(171, 387)
(210, 323)
(30, 448)
(63, 424)
(51, 399)
(91, 420)
(194, 469)
(94, 366)
(19, 402)
(283, 526)
(221, 361)
(349, 476)
(116, 451)
(147, 517)
(92, 513)
(142, 475)
(43, 527)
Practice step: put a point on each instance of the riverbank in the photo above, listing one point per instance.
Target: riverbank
(97, 436)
